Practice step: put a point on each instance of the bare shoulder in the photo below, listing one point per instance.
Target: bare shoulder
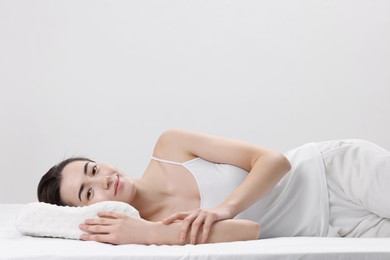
(171, 145)
(181, 144)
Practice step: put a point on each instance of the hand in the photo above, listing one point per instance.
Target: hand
(195, 219)
(116, 228)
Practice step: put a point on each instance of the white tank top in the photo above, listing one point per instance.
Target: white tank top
(297, 206)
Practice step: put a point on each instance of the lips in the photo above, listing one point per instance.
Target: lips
(117, 184)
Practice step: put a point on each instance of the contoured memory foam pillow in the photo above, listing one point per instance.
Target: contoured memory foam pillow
(48, 220)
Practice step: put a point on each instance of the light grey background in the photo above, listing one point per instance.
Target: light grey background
(104, 78)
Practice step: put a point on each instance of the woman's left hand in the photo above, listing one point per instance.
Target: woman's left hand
(195, 219)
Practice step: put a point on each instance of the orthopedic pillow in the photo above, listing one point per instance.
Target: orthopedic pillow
(48, 220)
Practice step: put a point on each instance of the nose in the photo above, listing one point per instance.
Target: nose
(106, 182)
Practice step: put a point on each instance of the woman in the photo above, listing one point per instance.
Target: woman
(196, 184)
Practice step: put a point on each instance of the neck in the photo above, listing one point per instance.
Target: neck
(147, 200)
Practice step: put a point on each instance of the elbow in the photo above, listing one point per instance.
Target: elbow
(285, 163)
(281, 166)
(255, 231)
(281, 163)
(252, 230)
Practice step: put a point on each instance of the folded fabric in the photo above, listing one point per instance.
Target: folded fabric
(48, 220)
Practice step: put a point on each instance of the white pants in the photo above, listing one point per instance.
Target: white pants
(358, 176)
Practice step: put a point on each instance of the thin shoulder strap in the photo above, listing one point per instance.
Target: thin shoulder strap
(166, 161)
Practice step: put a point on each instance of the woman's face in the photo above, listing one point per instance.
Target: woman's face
(84, 183)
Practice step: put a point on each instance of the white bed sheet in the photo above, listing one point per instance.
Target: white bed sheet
(13, 245)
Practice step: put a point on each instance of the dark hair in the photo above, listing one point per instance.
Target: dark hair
(49, 186)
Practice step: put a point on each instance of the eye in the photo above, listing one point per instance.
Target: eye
(89, 193)
(94, 170)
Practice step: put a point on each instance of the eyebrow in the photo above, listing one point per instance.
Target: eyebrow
(82, 185)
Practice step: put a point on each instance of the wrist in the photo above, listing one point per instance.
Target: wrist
(152, 233)
(230, 208)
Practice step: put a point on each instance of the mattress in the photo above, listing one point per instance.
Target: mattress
(14, 245)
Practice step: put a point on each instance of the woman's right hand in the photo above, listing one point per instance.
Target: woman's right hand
(117, 229)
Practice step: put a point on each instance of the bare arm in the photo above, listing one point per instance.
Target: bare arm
(121, 229)
(222, 231)
(265, 166)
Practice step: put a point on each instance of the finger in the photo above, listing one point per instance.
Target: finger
(98, 221)
(176, 216)
(95, 229)
(195, 227)
(110, 214)
(103, 238)
(206, 227)
(187, 222)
